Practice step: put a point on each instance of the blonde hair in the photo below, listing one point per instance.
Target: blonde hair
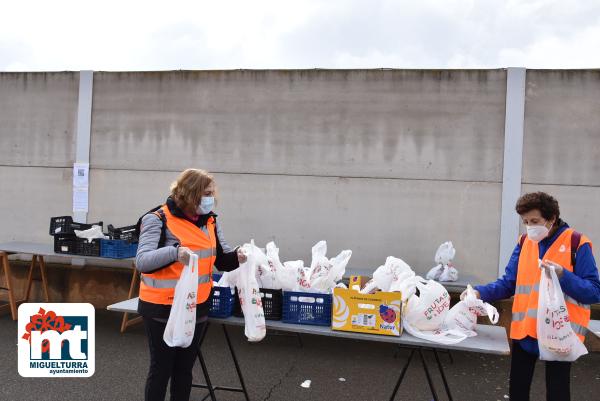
(188, 189)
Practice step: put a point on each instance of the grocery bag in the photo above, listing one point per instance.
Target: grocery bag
(179, 331)
(425, 312)
(556, 339)
(463, 315)
(444, 270)
(249, 293)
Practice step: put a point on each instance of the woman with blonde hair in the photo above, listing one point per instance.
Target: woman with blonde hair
(168, 234)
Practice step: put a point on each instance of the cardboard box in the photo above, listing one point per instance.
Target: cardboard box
(378, 313)
(359, 281)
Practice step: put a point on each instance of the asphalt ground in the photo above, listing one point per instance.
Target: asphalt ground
(275, 368)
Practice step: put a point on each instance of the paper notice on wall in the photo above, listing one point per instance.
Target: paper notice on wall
(80, 187)
(80, 175)
(80, 200)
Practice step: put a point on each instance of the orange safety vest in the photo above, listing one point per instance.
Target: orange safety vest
(525, 303)
(159, 287)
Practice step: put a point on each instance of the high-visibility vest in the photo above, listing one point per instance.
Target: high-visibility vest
(159, 287)
(525, 303)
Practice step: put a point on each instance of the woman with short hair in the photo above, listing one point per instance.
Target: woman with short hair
(569, 253)
(185, 223)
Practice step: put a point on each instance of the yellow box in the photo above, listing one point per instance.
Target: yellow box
(360, 281)
(378, 313)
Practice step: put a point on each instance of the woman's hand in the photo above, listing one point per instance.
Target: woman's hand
(557, 268)
(183, 255)
(242, 258)
(464, 294)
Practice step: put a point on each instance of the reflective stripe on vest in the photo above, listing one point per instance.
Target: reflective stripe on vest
(525, 304)
(532, 313)
(157, 283)
(206, 253)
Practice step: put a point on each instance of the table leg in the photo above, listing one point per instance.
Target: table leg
(11, 296)
(39, 261)
(209, 386)
(412, 352)
(30, 278)
(441, 368)
(126, 322)
(429, 381)
(42, 264)
(237, 366)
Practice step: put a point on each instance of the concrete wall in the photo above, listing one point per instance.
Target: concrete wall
(383, 162)
(561, 149)
(380, 162)
(38, 118)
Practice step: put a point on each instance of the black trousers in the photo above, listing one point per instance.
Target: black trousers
(522, 365)
(169, 363)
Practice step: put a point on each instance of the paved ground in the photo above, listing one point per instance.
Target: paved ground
(275, 368)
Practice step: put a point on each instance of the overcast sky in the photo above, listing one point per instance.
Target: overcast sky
(166, 35)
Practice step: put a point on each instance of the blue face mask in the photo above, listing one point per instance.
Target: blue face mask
(206, 205)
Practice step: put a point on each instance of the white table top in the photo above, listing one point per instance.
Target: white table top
(489, 339)
(34, 248)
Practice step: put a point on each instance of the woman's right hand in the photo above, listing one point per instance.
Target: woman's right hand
(464, 294)
(183, 255)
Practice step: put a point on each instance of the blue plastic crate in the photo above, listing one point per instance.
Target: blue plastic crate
(222, 300)
(307, 308)
(117, 249)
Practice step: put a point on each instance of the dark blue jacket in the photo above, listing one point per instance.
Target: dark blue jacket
(582, 284)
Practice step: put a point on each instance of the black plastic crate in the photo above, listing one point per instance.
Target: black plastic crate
(64, 225)
(126, 233)
(272, 303)
(73, 245)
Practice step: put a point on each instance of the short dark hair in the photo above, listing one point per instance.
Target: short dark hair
(546, 204)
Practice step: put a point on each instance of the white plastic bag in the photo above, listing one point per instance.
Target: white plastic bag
(463, 315)
(249, 294)
(285, 274)
(425, 313)
(266, 271)
(556, 339)
(323, 274)
(444, 270)
(179, 331)
(93, 233)
(394, 275)
(445, 253)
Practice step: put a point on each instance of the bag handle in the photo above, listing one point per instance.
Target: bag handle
(447, 337)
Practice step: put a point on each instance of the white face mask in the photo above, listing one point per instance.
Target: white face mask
(537, 233)
(206, 205)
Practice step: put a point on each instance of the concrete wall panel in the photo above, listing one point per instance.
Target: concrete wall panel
(373, 218)
(29, 197)
(355, 123)
(38, 112)
(562, 128)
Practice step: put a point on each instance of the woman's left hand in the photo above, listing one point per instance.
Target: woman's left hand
(557, 268)
(242, 258)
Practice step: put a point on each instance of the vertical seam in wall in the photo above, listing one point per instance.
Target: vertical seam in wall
(514, 124)
(84, 126)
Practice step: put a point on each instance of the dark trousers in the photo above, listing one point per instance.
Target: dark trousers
(522, 365)
(169, 363)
